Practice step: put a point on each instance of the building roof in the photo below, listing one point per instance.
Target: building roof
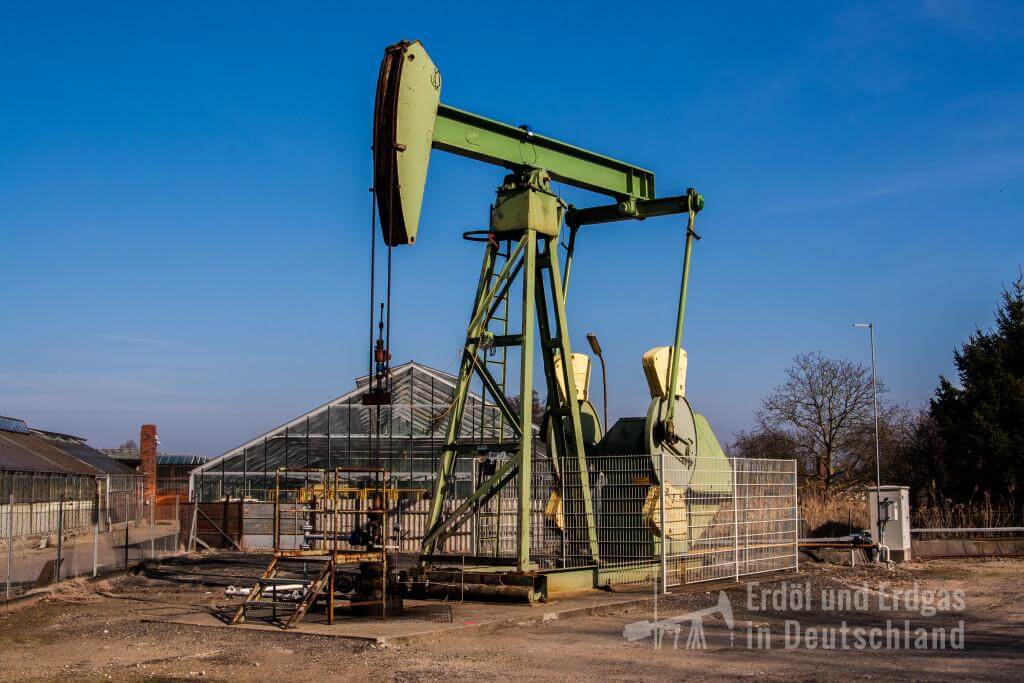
(13, 424)
(23, 449)
(29, 453)
(188, 460)
(421, 398)
(131, 456)
(76, 447)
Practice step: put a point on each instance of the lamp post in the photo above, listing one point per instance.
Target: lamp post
(874, 398)
(595, 346)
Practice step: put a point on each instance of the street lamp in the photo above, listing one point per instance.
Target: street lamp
(595, 346)
(874, 399)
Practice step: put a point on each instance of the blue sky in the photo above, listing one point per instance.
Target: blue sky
(184, 212)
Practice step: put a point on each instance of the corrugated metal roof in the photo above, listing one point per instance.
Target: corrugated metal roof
(28, 453)
(93, 457)
(77, 448)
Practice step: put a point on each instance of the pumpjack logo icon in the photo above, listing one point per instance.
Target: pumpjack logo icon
(673, 626)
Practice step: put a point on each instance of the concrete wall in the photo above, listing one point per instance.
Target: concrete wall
(963, 547)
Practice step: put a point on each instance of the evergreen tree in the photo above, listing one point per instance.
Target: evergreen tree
(974, 443)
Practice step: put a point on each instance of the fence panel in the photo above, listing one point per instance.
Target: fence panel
(675, 521)
(732, 522)
(407, 519)
(104, 530)
(656, 518)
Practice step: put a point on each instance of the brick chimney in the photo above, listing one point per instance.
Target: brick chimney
(147, 454)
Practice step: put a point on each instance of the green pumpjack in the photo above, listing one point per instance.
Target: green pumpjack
(521, 248)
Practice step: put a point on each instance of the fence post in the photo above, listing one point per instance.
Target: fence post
(177, 523)
(60, 538)
(10, 544)
(796, 518)
(655, 619)
(474, 537)
(736, 518)
(108, 509)
(192, 528)
(562, 504)
(96, 542)
(127, 501)
(152, 529)
(664, 527)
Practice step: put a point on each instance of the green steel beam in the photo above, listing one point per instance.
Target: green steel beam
(469, 135)
(489, 298)
(634, 209)
(570, 251)
(492, 386)
(526, 401)
(502, 290)
(487, 489)
(561, 336)
(447, 465)
(557, 446)
(684, 286)
(482, 312)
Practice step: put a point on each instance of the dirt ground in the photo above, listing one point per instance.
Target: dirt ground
(99, 631)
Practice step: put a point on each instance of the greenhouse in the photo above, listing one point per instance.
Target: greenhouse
(405, 437)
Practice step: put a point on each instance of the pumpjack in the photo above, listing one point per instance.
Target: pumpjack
(521, 245)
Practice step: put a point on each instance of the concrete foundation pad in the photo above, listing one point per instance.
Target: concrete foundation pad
(958, 547)
(406, 629)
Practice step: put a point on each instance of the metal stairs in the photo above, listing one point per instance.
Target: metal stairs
(264, 596)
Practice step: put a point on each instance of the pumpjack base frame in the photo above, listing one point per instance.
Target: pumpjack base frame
(497, 583)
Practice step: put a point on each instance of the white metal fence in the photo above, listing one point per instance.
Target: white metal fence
(490, 533)
(408, 522)
(662, 518)
(86, 538)
(747, 526)
(655, 518)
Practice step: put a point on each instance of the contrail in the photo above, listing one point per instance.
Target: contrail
(137, 340)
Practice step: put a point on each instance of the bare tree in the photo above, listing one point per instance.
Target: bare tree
(772, 444)
(537, 408)
(823, 412)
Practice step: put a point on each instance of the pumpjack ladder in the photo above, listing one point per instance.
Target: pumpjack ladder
(488, 522)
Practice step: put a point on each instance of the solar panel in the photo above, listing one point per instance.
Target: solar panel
(179, 459)
(13, 424)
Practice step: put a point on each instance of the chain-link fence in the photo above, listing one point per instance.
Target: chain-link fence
(101, 531)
